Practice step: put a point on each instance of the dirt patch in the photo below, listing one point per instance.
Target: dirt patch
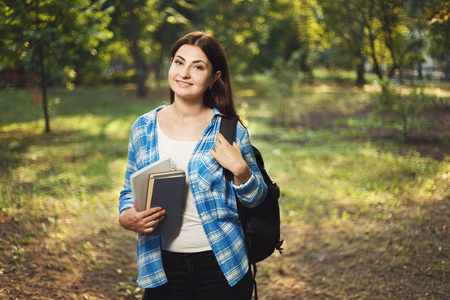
(400, 258)
(403, 257)
(87, 263)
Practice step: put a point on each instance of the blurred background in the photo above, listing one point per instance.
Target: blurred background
(347, 100)
(106, 41)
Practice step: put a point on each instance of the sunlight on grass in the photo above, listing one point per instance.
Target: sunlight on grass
(33, 127)
(323, 174)
(357, 178)
(335, 178)
(65, 170)
(318, 170)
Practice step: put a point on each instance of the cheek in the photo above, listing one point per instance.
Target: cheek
(171, 72)
(207, 79)
(171, 76)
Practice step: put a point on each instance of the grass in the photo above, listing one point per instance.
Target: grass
(342, 187)
(326, 159)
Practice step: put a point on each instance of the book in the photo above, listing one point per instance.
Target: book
(139, 180)
(166, 190)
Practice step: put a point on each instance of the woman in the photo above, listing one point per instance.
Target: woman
(207, 258)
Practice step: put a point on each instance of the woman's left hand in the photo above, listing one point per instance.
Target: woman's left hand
(230, 157)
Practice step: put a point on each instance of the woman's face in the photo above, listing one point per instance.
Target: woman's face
(190, 73)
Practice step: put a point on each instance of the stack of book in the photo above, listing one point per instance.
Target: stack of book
(160, 185)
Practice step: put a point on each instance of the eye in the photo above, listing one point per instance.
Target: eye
(178, 62)
(200, 68)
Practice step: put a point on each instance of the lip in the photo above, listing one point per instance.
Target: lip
(182, 83)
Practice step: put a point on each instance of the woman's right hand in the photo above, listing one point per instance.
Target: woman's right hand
(141, 222)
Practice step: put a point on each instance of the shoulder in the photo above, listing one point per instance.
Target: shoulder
(241, 131)
(144, 125)
(147, 119)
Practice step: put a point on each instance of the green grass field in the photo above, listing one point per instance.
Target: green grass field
(374, 204)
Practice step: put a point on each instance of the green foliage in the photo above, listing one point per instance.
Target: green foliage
(240, 26)
(47, 36)
(344, 21)
(440, 44)
(58, 30)
(405, 113)
(95, 38)
(286, 75)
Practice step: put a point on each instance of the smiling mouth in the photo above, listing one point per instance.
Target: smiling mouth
(184, 83)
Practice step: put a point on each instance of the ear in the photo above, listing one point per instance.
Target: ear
(217, 76)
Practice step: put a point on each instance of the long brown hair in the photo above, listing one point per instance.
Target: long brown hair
(220, 95)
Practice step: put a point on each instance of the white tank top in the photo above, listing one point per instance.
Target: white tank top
(192, 237)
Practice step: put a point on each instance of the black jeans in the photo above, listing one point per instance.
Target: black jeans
(197, 276)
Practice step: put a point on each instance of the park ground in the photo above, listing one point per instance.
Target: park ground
(364, 213)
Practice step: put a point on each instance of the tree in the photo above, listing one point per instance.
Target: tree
(49, 35)
(238, 25)
(293, 33)
(371, 25)
(175, 18)
(135, 50)
(386, 31)
(440, 45)
(437, 15)
(345, 23)
(125, 50)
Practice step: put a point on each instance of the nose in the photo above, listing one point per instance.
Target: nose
(184, 73)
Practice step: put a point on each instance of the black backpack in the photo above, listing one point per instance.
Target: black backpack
(261, 224)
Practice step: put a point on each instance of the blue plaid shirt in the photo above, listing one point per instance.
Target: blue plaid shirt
(214, 198)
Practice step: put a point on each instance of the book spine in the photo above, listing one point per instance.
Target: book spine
(148, 201)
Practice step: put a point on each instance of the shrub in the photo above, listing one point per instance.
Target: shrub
(405, 112)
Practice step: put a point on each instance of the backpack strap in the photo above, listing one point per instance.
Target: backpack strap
(228, 130)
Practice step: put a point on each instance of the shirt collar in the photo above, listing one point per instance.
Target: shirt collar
(152, 115)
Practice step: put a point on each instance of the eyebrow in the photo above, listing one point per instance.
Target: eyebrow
(195, 61)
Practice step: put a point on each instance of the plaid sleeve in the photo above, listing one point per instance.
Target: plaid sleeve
(254, 191)
(142, 151)
(126, 196)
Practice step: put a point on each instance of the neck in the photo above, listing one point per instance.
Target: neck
(187, 109)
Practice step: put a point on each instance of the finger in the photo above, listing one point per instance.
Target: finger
(154, 222)
(154, 210)
(156, 215)
(150, 226)
(150, 211)
(222, 139)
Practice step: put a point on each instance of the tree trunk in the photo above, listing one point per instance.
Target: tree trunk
(44, 92)
(419, 72)
(376, 66)
(447, 67)
(139, 63)
(360, 80)
(395, 64)
(305, 67)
